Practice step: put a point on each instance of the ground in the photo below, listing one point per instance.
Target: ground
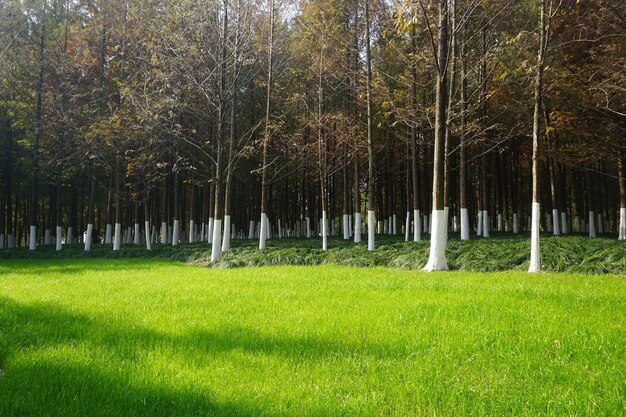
(130, 337)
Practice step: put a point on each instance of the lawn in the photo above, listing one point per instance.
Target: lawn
(130, 337)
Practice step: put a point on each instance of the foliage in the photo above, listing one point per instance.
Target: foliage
(503, 252)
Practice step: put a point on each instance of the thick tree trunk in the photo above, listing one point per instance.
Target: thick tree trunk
(439, 229)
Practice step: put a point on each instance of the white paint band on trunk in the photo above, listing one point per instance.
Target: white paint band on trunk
(89, 237)
(556, 230)
(622, 223)
(216, 246)
(117, 237)
(417, 226)
(592, 224)
(515, 223)
(438, 241)
(32, 238)
(137, 238)
(210, 235)
(263, 231)
(176, 233)
(324, 231)
(371, 230)
(59, 238)
(535, 224)
(465, 234)
(357, 227)
(147, 232)
(191, 231)
(227, 233)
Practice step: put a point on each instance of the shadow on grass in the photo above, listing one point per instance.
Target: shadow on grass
(78, 266)
(37, 382)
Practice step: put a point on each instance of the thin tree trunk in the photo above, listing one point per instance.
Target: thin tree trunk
(535, 265)
(371, 202)
(32, 244)
(266, 138)
(417, 218)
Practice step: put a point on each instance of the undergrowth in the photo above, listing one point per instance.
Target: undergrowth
(501, 252)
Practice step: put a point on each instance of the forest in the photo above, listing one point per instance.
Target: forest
(162, 122)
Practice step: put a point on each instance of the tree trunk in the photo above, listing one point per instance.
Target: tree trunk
(439, 229)
(535, 265)
(266, 137)
(371, 203)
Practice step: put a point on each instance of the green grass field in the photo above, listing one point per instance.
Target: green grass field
(128, 337)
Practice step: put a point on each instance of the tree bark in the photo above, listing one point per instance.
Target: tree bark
(439, 229)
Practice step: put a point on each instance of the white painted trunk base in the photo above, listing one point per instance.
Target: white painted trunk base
(465, 233)
(324, 231)
(579, 227)
(394, 224)
(371, 232)
(438, 241)
(108, 235)
(564, 226)
(192, 228)
(622, 224)
(117, 237)
(592, 224)
(70, 235)
(137, 236)
(163, 233)
(146, 226)
(227, 233)
(32, 238)
(515, 224)
(357, 227)
(210, 236)
(59, 238)
(556, 230)
(216, 246)
(251, 228)
(479, 222)
(535, 223)
(407, 226)
(417, 226)
(500, 222)
(600, 224)
(350, 231)
(263, 231)
(176, 233)
(486, 223)
(88, 237)
(346, 226)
